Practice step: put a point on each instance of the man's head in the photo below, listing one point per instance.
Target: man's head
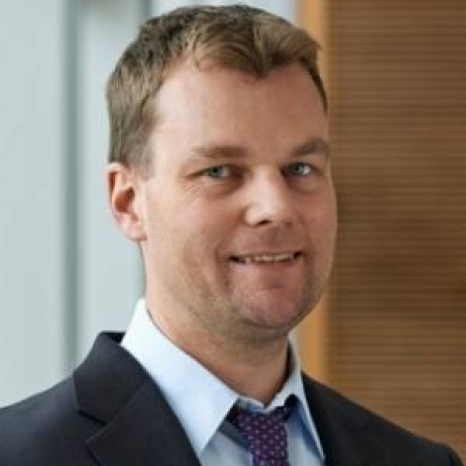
(236, 37)
(220, 171)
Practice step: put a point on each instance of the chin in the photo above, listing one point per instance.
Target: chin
(274, 315)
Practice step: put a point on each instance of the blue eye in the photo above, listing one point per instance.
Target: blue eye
(299, 169)
(217, 172)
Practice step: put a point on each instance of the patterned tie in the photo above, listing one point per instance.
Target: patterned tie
(265, 433)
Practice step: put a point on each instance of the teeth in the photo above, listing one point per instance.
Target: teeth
(266, 258)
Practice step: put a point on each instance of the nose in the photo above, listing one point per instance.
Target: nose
(269, 201)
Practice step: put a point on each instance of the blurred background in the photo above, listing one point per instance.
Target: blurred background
(391, 330)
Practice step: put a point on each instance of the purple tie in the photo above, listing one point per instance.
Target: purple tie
(265, 433)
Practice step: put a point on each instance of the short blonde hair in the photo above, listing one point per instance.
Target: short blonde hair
(237, 37)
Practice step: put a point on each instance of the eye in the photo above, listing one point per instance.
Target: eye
(217, 172)
(220, 172)
(299, 169)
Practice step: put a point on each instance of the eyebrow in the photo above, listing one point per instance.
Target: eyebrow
(220, 151)
(315, 145)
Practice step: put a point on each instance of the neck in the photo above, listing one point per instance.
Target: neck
(255, 368)
(258, 373)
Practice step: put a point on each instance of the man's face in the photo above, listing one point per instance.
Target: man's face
(239, 214)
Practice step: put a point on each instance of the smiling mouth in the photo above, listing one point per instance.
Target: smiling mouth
(266, 258)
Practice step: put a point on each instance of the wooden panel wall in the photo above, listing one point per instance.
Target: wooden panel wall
(397, 307)
(312, 335)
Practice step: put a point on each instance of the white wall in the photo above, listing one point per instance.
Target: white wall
(109, 272)
(65, 271)
(31, 239)
(285, 8)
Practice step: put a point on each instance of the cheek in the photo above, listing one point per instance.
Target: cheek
(210, 221)
(323, 213)
(322, 225)
(329, 218)
(208, 236)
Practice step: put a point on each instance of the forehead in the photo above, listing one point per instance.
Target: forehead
(223, 106)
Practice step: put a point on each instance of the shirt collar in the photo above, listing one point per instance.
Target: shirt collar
(293, 387)
(198, 398)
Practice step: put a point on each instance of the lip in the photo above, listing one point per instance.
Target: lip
(242, 259)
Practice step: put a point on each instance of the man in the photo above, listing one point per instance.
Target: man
(219, 169)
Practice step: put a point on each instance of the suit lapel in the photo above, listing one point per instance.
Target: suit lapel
(137, 425)
(144, 433)
(343, 429)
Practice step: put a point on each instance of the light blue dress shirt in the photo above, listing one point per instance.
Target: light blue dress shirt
(201, 401)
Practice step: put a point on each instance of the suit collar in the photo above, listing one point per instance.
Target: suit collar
(169, 366)
(344, 428)
(138, 427)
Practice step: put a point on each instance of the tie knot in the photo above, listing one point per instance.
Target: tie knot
(264, 432)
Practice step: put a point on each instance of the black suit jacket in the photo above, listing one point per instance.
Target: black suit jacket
(110, 413)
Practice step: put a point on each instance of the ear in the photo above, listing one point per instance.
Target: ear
(124, 195)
